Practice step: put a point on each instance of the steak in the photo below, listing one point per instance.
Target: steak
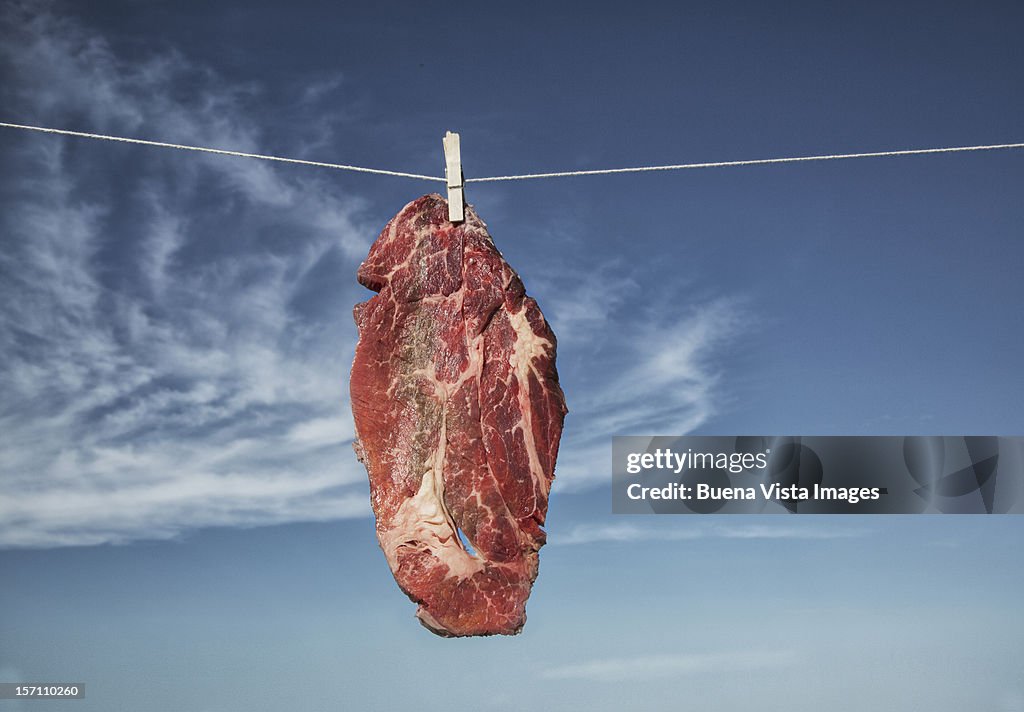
(458, 413)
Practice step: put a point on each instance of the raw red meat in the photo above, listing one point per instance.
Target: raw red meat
(458, 414)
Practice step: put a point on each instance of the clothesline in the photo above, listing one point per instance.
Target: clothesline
(527, 176)
(750, 162)
(221, 151)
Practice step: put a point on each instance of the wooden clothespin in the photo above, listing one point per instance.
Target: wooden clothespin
(453, 171)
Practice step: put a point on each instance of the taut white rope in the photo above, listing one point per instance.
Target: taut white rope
(528, 176)
(224, 152)
(754, 162)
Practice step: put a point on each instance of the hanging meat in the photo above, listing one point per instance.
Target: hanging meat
(458, 414)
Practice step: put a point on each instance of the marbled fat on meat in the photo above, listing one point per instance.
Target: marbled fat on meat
(458, 414)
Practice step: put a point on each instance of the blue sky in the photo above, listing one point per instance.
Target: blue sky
(181, 517)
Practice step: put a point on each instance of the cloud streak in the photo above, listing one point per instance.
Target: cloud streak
(599, 533)
(652, 667)
(632, 369)
(163, 369)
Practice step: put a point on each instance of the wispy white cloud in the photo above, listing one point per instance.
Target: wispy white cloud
(650, 667)
(162, 368)
(647, 370)
(682, 530)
